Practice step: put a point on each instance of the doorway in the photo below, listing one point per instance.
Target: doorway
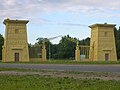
(16, 57)
(106, 56)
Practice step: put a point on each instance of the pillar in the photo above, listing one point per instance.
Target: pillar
(77, 53)
(43, 53)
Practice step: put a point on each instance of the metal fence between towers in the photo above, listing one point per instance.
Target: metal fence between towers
(35, 54)
(84, 52)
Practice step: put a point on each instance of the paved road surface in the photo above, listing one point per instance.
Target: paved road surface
(93, 68)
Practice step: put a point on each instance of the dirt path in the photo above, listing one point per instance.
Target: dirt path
(63, 74)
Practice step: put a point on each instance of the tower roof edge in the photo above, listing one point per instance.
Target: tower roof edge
(103, 25)
(16, 21)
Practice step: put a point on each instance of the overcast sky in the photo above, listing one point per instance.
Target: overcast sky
(49, 18)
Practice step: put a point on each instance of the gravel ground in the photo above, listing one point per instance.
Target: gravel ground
(65, 74)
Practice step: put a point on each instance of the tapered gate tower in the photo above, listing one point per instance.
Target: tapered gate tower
(15, 46)
(102, 43)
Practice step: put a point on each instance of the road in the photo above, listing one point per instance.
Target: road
(63, 67)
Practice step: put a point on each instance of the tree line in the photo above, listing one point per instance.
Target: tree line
(65, 49)
(117, 41)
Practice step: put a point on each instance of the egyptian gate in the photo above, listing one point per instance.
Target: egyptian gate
(102, 44)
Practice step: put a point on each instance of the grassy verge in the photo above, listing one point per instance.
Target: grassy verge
(76, 62)
(36, 82)
(13, 69)
(68, 62)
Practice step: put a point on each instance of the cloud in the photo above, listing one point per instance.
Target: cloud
(72, 24)
(34, 8)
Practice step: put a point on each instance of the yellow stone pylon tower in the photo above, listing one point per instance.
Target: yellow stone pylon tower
(102, 43)
(15, 48)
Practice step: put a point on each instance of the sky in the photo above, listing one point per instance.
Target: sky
(51, 18)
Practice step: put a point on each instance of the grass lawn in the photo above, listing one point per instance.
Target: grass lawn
(53, 80)
(36, 82)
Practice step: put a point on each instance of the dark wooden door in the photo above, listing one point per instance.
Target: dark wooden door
(106, 57)
(16, 57)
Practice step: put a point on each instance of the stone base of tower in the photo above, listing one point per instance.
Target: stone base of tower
(107, 55)
(15, 55)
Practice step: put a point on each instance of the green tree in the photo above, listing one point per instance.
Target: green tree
(1, 44)
(117, 40)
(66, 48)
(54, 51)
(85, 41)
